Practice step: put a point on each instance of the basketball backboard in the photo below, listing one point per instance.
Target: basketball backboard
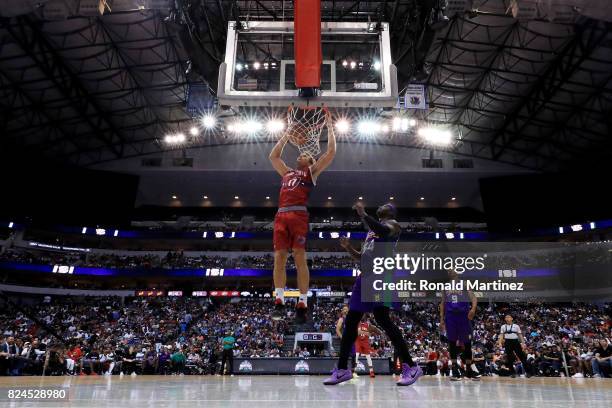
(259, 66)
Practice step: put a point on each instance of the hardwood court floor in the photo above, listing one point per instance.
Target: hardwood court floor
(308, 391)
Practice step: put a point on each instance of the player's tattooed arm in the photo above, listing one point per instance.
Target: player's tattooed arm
(355, 254)
(276, 153)
(326, 158)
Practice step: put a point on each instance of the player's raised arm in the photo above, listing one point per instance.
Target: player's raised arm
(326, 158)
(276, 153)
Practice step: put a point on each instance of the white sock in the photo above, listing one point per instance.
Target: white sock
(303, 299)
(369, 361)
(280, 294)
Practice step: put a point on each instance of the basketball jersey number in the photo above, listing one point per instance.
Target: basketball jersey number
(292, 183)
(454, 299)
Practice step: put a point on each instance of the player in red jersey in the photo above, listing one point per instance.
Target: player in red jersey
(291, 221)
(362, 344)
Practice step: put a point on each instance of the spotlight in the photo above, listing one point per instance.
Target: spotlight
(345, 63)
(435, 136)
(368, 127)
(174, 197)
(275, 126)
(175, 139)
(236, 197)
(353, 64)
(252, 126)
(397, 124)
(412, 122)
(376, 65)
(384, 128)
(194, 131)
(391, 198)
(256, 65)
(267, 197)
(265, 65)
(238, 67)
(404, 125)
(329, 198)
(209, 121)
(343, 126)
(453, 198)
(205, 197)
(422, 198)
(360, 198)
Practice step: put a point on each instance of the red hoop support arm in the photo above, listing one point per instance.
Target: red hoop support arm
(307, 43)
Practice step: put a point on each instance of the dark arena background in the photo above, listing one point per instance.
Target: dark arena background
(143, 236)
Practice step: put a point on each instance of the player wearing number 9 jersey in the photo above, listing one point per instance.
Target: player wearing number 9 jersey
(457, 309)
(291, 220)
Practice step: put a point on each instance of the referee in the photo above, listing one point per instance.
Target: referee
(512, 340)
(228, 353)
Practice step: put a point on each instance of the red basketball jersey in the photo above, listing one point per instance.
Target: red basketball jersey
(364, 327)
(295, 188)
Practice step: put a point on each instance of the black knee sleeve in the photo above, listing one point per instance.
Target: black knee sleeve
(349, 335)
(466, 354)
(381, 315)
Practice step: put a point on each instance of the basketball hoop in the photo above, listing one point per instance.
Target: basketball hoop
(305, 125)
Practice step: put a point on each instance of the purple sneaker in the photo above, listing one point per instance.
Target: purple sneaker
(409, 374)
(338, 376)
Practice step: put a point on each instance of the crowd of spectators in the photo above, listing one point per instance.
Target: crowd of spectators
(90, 336)
(172, 260)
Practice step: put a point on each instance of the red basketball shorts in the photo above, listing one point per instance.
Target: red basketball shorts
(362, 346)
(290, 230)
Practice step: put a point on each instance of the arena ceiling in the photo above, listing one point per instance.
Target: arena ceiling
(87, 90)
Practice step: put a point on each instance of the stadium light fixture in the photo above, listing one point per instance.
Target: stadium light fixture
(343, 126)
(205, 197)
(256, 65)
(435, 136)
(267, 197)
(412, 122)
(238, 67)
(275, 126)
(345, 63)
(368, 127)
(175, 139)
(252, 126)
(209, 121)
(453, 198)
(236, 197)
(174, 197)
(391, 198)
(422, 198)
(376, 65)
(194, 131)
(353, 64)
(329, 198)
(360, 198)
(397, 124)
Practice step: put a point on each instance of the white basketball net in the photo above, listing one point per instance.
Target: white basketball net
(304, 126)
